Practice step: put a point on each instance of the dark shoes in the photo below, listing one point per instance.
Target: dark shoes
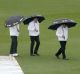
(57, 56)
(65, 59)
(35, 54)
(32, 55)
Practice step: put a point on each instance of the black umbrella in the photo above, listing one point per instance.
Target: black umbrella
(14, 20)
(31, 18)
(59, 22)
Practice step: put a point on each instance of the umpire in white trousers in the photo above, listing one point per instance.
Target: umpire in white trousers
(14, 33)
(34, 32)
(62, 35)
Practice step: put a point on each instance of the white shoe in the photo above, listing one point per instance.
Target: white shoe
(14, 55)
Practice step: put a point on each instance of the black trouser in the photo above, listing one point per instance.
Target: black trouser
(33, 40)
(14, 44)
(62, 49)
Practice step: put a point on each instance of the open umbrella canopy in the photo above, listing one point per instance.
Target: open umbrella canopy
(13, 20)
(31, 18)
(70, 23)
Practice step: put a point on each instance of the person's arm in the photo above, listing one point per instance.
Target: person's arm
(30, 28)
(36, 25)
(33, 27)
(59, 32)
(17, 26)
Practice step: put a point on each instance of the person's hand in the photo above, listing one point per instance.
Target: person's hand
(18, 30)
(63, 36)
(36, 30)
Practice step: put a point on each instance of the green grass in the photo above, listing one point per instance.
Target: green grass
(47, 62)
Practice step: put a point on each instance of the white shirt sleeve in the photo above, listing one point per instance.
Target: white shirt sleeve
(14, 30)
(17, 26)
(33, 29)
(62, 32)
(31, 26)
(59, 32)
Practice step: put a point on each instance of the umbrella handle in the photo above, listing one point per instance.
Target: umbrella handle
(63, 36)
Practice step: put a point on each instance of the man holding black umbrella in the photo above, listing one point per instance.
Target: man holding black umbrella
(62, 25)
(34, 32)
(33, 28)
(62, 34)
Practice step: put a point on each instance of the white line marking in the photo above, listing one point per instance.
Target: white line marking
(9, 65)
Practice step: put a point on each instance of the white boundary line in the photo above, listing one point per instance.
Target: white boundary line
(9, 65)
